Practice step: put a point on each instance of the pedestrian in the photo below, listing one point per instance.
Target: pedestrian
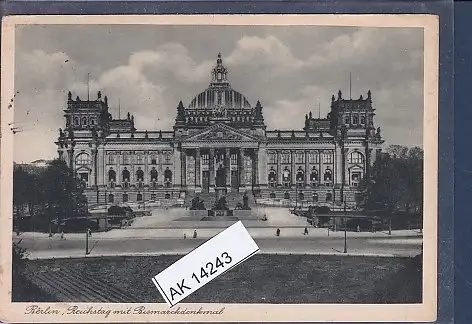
(195, 234)
(306, 231)
(62, 235)
(358, 228)
(277, 232)
(185, 236)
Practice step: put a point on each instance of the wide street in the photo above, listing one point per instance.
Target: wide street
(380, 244)
(170, 231)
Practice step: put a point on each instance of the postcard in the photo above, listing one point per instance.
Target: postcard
(128, 142)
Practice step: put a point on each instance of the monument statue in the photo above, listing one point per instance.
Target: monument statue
(197, 204)
(221, 204)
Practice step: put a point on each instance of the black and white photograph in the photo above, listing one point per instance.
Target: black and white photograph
(127, 144)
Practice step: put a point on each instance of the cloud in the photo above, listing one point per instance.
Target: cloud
(291, 70)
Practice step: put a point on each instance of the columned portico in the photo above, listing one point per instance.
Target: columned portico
(219, 170)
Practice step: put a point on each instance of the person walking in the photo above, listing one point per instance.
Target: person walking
(278, 232)
(195, 234)
(306, 231)
(62, 235)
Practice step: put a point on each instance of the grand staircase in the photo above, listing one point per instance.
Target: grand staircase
(232, 198)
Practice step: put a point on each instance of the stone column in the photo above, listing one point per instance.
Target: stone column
(102, 173)
(177, 173)
(262, 169)
(198, 176)
(279, 169)
(183, 168)
(147, 176)
(242, 184)
(320, 167)
(338, 165)
(292, 171)
(212, 169)
(160, 168)
(255, 167)
(94, 174)
(307, 169)
(228, 168)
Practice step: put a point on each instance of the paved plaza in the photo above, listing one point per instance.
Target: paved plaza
(170, 231)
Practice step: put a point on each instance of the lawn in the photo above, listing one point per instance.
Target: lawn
(265, 278)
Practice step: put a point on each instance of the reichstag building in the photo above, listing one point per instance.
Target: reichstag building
(220, 144)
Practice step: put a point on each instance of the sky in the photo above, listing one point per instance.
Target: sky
(147, 70)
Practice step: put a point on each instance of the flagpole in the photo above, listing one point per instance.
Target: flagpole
(88, 86)
(350, 85)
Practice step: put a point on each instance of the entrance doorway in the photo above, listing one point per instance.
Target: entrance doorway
(205, 181)
(234, 179)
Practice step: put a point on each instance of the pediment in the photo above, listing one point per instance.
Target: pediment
(220, 132)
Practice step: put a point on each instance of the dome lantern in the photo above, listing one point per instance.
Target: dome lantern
(219, 73)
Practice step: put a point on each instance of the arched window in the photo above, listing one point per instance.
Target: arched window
(301, 196)
(153, 174)
(111, 175)
(329, 196)
(328, 175)
(356, 157)
(92, 122)
(272, 195)
(84, 121)
(286, 178)
(140, 174)
(139, 197)
(125, 175)
(168, 178)
(286, 195)
(82, 159)
(300, 177)
(125, 197)
(111, 198)
(76, 121)
(314, 177)
(315, 197)
(272, 178)
(355, 119)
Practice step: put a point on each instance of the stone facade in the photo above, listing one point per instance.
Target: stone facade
(220, 142)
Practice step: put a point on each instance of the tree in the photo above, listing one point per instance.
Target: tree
(63, 193)
(396, 181)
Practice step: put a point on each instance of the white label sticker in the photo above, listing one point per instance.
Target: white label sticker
(211, 259)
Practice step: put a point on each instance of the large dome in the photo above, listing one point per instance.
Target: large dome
(219, 93)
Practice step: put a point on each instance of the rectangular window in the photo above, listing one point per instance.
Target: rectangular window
(234, 159)
(362, 119)
(205, 159)
(300, 157)
(273, 158)
(111, 159)
(286, 158)
(347, 119)
(153, 159)
(139, 159)
(125, 159)
(313, 157)
(328, 157)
